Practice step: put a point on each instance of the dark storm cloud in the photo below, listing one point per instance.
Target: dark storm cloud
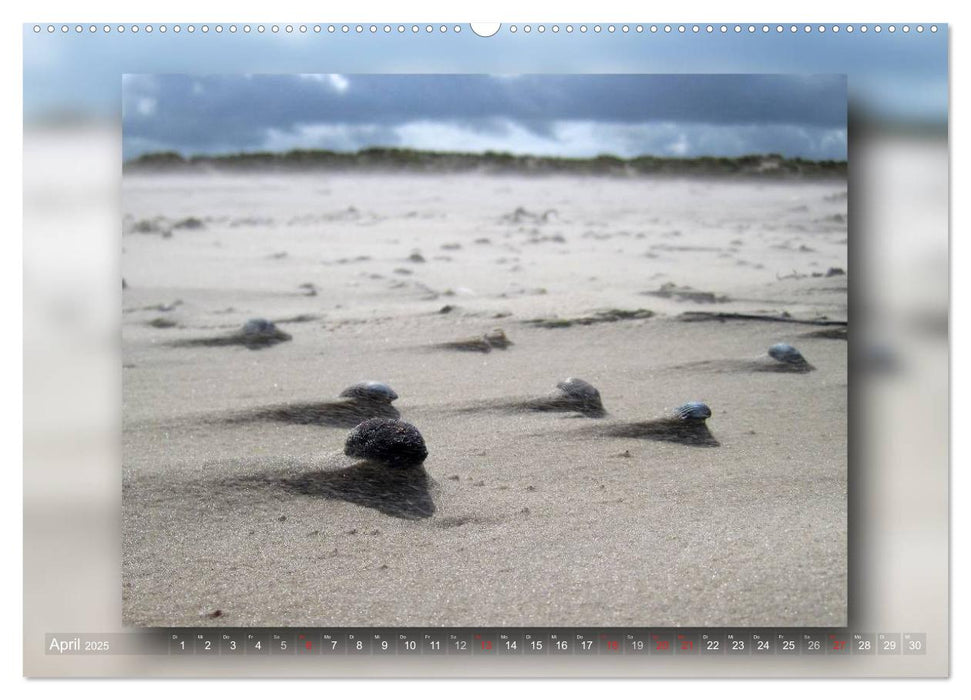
(221, 113)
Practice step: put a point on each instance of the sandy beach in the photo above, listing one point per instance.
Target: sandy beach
(526, 518)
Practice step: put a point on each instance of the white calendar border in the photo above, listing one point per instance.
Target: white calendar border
(450, 11)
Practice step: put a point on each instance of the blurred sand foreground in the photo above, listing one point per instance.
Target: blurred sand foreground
(537, 521)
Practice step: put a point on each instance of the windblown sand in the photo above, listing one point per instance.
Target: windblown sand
(538, 520)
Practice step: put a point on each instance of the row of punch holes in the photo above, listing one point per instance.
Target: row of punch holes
(512, 29)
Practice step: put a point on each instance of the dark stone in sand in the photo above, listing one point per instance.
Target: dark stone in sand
(686, 426)
(256, 334)
(388, 441)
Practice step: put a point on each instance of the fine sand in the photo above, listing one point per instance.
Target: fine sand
(520, 517)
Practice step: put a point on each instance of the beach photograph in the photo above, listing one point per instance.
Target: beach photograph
(484, 350)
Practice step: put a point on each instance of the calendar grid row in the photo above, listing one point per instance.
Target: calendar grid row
(443, 642)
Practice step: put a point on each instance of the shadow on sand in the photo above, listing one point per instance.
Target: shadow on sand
(401, 492)
(572, 395)
(758, 365)
(686, 432)
(256, 334)
(340, 413)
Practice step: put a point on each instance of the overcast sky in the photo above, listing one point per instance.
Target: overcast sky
(566, 115)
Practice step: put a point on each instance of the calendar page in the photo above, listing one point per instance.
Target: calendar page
(534, 349)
